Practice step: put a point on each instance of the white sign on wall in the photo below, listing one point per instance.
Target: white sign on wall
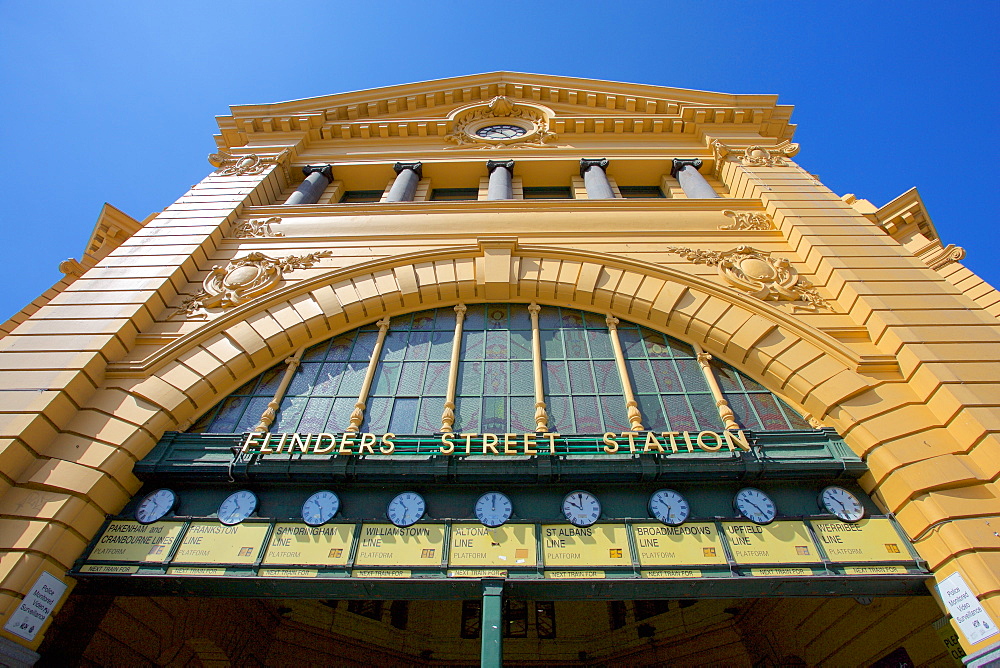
(36, 607)
(973, 620)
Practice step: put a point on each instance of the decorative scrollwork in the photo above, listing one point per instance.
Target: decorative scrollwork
(257, 229)
(243, 279)
(748, 220)
(464, 133)
(243, 165)
(756, 272)
(756, 156)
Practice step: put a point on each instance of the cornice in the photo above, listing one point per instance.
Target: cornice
(579, 106)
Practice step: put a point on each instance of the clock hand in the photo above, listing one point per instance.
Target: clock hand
(754, 505)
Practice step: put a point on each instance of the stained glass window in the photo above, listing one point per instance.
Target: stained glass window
(495, 387)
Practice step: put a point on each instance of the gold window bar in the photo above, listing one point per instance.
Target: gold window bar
(358, 414)
(541, 416)
(634, 417)
(267, 418)
(725, 412)
(448, 416)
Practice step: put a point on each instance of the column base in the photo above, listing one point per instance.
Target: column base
(16, 656)
(984, 658)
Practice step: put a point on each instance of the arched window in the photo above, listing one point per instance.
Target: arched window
(495, 387)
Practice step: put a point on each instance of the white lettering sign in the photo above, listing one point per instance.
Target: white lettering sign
(36, 607)
(965, 609)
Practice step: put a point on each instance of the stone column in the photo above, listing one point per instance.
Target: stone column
(318, 177)
(692, 182)
(408, 175)
(595, 178)
(501, 179)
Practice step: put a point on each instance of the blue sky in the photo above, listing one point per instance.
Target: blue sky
(115, 101)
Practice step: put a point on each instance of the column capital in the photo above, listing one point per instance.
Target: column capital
(680, 163)
(415, 167)
(493, 164)
(325, 170)
(587, 163)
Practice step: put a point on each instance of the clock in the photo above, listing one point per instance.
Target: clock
(237, 507)
(755, 505)
(669, 507)
(581, 508)
(493, 509)
(155, 505)
(320, 508)
(841, 503)
(406, 508)
(501, 132)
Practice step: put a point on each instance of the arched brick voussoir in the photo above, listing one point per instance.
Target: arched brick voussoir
(194, 372)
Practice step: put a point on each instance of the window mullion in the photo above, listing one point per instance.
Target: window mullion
(267, 418)
(725, 411)
(631, 405)
(448, 417)
(541, 415)
(358, 414)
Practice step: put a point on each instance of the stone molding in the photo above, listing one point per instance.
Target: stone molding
(757, 273)
(242, 280)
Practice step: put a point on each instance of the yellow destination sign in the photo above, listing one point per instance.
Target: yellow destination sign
(779, 572)
(868, 540)
(696, 543)
(215, 543)
(184, 570)
(478, 545)
(301, 544)
(108, 568)
(131, 541)
(288, 572)
(477, 573)
(574, 575)
(398, 573)
(775, 543)
(677, 573)
(875, 570)
(389, 545)
(597, 545)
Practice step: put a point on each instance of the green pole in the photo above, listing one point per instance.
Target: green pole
(491, 652)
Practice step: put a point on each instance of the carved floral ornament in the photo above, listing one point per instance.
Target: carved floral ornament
(501, 109)
(748, 220)
(242, 280)
(756, 272)
(755, 156)
(244, 165)
(257, 229)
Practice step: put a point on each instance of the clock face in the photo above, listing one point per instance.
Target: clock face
(669, 507)
(581, 508)
(755, 505)
(237, 507)
(320, 508)
(493, 509)
(841, 503)
(501, 132)
(155, 505)
(406, 509)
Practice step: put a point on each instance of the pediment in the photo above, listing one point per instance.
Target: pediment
(572, 105)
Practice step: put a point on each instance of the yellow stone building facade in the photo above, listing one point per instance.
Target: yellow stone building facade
(676, 212)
